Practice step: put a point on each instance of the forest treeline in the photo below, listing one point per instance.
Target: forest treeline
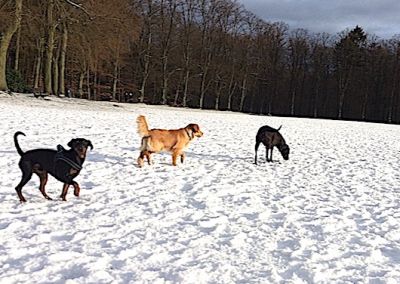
(196, 53)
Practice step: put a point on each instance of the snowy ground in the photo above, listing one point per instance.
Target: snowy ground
(331, 214)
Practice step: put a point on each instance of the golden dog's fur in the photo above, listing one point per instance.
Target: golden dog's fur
(157, 140)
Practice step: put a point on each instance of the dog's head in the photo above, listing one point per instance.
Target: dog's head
(193, 130)
(80, 145)
(284, 149)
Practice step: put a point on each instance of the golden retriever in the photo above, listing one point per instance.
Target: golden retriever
(170, 140)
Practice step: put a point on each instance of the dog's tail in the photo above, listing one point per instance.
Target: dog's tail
(142, 127)
(19, 150)
(279, 128)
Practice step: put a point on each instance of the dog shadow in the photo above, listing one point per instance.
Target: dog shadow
(227, 158)
(8, 152)
(130, 148)
(219, 158)
(105, 158)
(266, 163)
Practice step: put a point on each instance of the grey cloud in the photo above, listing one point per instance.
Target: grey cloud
(379, 17)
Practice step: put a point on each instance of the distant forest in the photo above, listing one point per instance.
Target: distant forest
(211, 54)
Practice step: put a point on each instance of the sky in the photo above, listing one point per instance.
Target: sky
(379, 17)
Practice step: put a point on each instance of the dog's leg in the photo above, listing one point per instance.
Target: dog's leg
(147, 154)
(174, 157)
(266, 154)
(64, 191)
(140, 160)
(144, 152)
(77, 189)
(270, 159)
(256, 150)
(19, 187)
(26, 176)
(183, 156)
(43, 180)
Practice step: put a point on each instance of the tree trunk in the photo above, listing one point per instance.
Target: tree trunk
(243, 94)
(393, 90)
(144, 81)
(80, 88)
(218, 91)
(164, 80)
(56, 71)
(316, 96)
(340, 106)
(88, 82)
(229, 107)
(5, 39)
(202, 89)
(315, 107)
(203, 85)
(61, 87)
(95, 85)
(292, 102)
(146, 71)
(185, 88)
(177, 90)
(343, 82)
(49, 48)
(38, 65)
(17, 48)
(391, 106)
(166, 30)
(364, 105)
(115, 81)
(231, 90)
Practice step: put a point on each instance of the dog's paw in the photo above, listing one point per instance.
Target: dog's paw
(140, 162)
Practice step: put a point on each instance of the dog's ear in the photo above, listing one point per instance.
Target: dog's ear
(194, 127)
(189, 130)
(71, 143)
(90, 144)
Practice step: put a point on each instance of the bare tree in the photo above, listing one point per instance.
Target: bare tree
(319, 61)
(395, 86)
(298, 53)
(187, 12)
(348, 55)
(5, 39)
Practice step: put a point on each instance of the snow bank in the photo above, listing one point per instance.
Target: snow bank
(329, 214)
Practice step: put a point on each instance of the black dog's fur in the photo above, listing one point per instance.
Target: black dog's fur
(63, 164)
(271, 137)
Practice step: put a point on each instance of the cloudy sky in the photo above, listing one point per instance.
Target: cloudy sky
(379, 17)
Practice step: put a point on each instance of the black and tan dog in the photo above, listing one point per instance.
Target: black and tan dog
(62, 164)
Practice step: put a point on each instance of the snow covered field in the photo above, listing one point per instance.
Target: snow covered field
(331, 214)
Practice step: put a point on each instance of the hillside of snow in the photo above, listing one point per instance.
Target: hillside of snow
(330, 214)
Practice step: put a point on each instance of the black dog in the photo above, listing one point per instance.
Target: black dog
(271, 137)
(62, 164)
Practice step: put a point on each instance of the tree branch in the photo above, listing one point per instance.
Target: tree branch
(3, 4)
(78, 6)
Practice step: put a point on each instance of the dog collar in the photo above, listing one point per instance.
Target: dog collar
(60, 156)
(187, 132)
(70, 162)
